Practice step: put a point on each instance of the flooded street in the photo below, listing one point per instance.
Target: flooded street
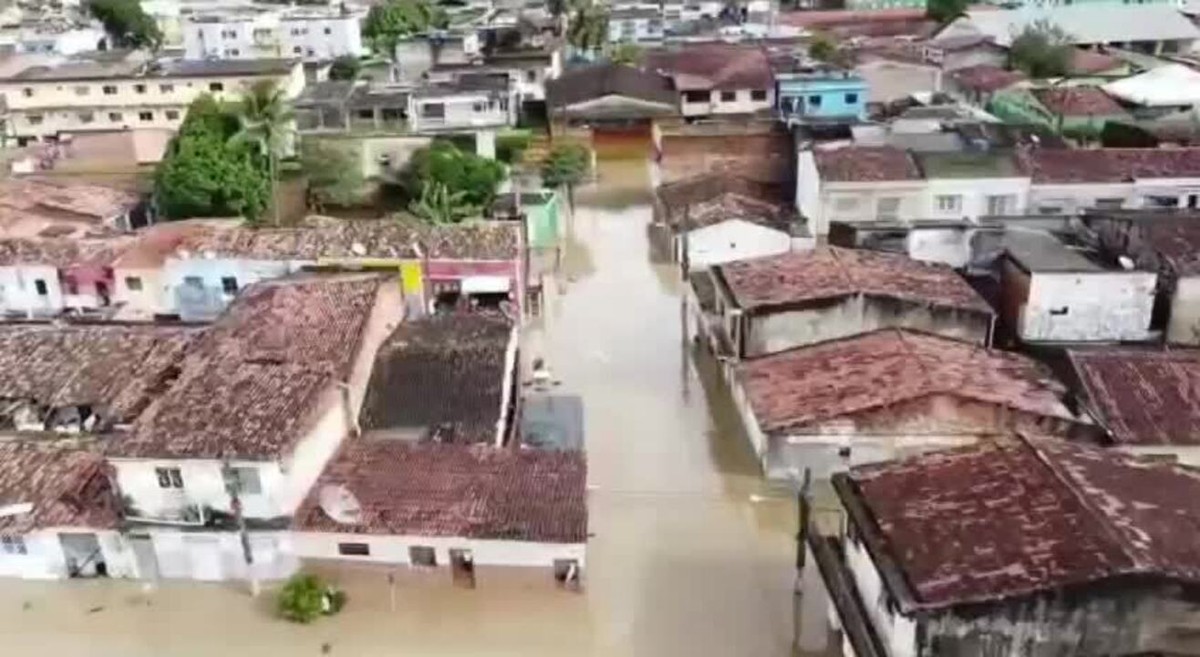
(691, 553)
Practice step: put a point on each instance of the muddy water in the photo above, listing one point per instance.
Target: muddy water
(691, 553)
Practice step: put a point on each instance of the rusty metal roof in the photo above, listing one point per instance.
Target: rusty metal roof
(1143, 397)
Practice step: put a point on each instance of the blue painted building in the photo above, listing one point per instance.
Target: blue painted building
(806, 91)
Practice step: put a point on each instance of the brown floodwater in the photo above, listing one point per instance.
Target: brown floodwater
(691, 553)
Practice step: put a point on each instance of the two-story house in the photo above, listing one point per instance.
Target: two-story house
(261, 402)
(635, 25)
(806, 90)
(1070, 181)
(856, 183)
(715, 79)
(309, 33)
(478, 104)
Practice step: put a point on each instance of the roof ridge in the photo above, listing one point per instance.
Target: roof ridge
(930, 386)
(843, 268)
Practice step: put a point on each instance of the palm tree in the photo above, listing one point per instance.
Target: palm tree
(441, 206)
(267, 122)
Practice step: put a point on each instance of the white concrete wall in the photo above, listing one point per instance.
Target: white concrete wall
(1069, 199)
(18, 290)
(898, 632)
(463, 110)
(71, 42)
(321, 37)
(177, 268)
(1184, 325)
(45, 558)
(808, 193)
(742, 103)
(1082, 307)
(787, 456)
(218, 556)
(735, 239)
(857, 202)
(973, 194)
(153, 297)
(394, 549)
(203, 485)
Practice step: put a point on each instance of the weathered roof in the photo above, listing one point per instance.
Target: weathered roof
(1078, 101)
(441, 376)
(116, 369)
(249, 387)
(1143, 397)
(1111, 165)
(67, 487)
(794, 389)
(62, 252)
(1036, 251)
(362, 239)
(597, 81)
(1087, 23)
(1171, 85)
(155, 243)
(202, 68)
(468, 491)
(986, 78)
(712, 66)
(66, 200)
(1032, 516)
(960, 164)
(866, 164)
(829, 272)
(711, 198)
(1175, 240)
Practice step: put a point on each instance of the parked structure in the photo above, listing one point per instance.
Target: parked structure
(772, 304)
(888, 394)
(1038, 545)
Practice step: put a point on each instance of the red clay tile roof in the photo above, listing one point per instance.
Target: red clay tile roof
(830, 272)
(986, 78)
(63, 200)
(794, 389)
(62, 252)
(469, 491)
(249, 386)
(1078, 101)
(999, 521)
(441, 375)
(68, 487)
(1177, 241)
(1111, 165)
(866, 164)
(1086, 62)
(1143, 397)
(115, 369)
(712, 66)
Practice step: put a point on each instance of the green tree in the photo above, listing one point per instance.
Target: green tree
(205, 173)
(628, 54)
(388, 23)
(588, 28)
(458, 171)
(305, 597)
(944, 11)
(439, 205)
(266, 122)
(333, 172)
(126, 23)
(1042, 50)
(566, 165)
(822, 47)
(346, 67)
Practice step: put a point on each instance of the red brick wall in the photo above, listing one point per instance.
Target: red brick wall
(765, 157)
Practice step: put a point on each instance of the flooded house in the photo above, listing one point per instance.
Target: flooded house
(1035, 546)
(765, 305)
(887, 394)
(436, 475)
(45, 277)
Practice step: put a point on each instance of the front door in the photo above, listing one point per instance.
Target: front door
(144, 555)
(83, 554)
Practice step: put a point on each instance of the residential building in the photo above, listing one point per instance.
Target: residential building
(806, 90)
(768, 305)
(140, 291)
(473, 103)
(858, 183)
(635, 25)
(528, 69)
(1075, 110)
(716, 78)
(396, 495)
(885, 395)
(977, 84)
(973, 183)
(309, 33)
(955, 50)
(122, 91)
(608, 93)
(261, 402)
(1069, 181)
(60, 40)
(45, 277)
(1033, 545)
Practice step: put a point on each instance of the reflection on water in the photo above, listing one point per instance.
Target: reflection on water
(691, 553)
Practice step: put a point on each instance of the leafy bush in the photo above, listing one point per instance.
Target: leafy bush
(510, 146)
(458, 170)
(306, 597)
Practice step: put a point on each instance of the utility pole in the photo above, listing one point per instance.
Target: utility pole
(233, 486)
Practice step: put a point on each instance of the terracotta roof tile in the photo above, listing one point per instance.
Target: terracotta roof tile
(1111, 165)
(712, 66)
(63, 252)
(830, 272)
(67, 486)
(468, 491)
(1177, 241)
(838, 378)
(1078, 101)
(441, 375)
(986, 78)
(1032, 516)
(1143, 397)
(866, 164)
(249, 386)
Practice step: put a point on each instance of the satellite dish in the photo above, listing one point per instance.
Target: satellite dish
(340, 504)
(358, 249)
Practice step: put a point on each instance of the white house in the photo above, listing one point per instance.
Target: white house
(857, 183)
(311, 33)
(308, 344)
(716, 78)
(635, 24)
(734, 239)
(44, 277)
(1069, 181)
(61, 41)
(969, 185)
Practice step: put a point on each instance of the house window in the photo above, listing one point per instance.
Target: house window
(328, 30)
(40, 286)
(72, 287)
(814, 101)
(531, 76)
(1050, 208)
(728, 96)
(172, 115)
(34, 119)
(478, 107)
(28, 92)
(851, 99)
(887, 208)
(366, 114)
(758, 94)
(1110, 203)
(194, 282)
(139, 88)
(109, 89)
(421, 555)
(844, 452)
(13, 545)
(166, 88)
(354, 549)
(133, 283)
(145, 116)
(115, 117)
(83, 90)
(297, 50)
(948, 202)
(433, 111)
(169, 477)
(245, 481)
(1001, 204)
(229, 285)
(216, 86)
(86, 117)
(1058, 312)
(696, 96)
